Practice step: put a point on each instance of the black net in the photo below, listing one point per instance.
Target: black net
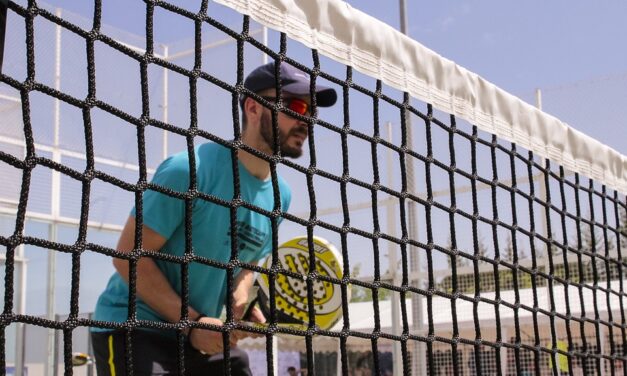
(496, 261)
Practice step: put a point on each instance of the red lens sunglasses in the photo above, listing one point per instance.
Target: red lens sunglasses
(295, 104)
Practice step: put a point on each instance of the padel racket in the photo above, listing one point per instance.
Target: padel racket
(291, 301)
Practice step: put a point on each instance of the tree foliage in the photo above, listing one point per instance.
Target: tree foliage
(364, 294)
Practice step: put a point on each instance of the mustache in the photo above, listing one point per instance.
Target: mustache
(300, 131)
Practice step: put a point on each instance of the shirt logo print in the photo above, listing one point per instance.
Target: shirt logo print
(248, 237)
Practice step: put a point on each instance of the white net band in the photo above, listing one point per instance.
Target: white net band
(376, 49)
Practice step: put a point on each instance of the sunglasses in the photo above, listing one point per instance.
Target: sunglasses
(295, 104)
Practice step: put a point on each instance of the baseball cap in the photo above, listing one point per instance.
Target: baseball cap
(293, 80)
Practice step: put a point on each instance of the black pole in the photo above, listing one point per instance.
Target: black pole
(3, 24)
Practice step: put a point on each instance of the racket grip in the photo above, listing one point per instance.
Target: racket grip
(249, 309)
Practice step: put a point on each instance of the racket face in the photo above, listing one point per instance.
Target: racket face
(291, 293)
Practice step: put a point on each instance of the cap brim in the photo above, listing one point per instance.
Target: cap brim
(325, 96)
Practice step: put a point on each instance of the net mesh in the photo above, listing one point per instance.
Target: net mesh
(469, 254)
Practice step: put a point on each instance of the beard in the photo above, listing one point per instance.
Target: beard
(267, 133)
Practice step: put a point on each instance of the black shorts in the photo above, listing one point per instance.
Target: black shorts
(156, 354)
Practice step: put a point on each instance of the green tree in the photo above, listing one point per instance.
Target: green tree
(506, 275)
(591, 240)
(364, 294)
(508, 252)
(460, 261)
(554, 250)
(482, 250)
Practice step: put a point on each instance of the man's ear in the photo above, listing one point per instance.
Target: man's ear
(253, 109)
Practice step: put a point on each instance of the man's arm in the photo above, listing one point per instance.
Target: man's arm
(155, 290)
(152, 286)
(243, 284)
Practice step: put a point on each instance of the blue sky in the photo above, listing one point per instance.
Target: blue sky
(521, 46)
(518, 45)
(571, 49)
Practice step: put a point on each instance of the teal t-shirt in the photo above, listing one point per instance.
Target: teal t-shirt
(210, 230)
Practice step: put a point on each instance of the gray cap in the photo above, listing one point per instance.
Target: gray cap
(293, 80)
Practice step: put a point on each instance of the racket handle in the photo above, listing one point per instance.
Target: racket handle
(249, 309)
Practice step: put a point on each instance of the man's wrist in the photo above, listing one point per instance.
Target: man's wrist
(190, 329)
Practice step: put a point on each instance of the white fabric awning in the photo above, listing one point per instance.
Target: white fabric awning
(362, 315)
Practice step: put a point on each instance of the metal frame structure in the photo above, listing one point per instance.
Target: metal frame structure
(54, 219)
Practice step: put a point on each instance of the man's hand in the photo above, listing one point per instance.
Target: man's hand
(239, 309)
(256, 315)
(243, 284)
(209, 341)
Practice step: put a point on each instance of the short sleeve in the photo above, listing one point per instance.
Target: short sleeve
(163, 213)
(286, 198)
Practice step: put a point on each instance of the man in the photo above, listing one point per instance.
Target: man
(163, 230)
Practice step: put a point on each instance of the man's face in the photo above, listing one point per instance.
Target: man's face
(292, 132)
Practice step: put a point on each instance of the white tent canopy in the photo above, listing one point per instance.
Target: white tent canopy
(362, 315)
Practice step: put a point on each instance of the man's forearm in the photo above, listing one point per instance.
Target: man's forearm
(154, 289)
(151, 284)
(243, 283)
